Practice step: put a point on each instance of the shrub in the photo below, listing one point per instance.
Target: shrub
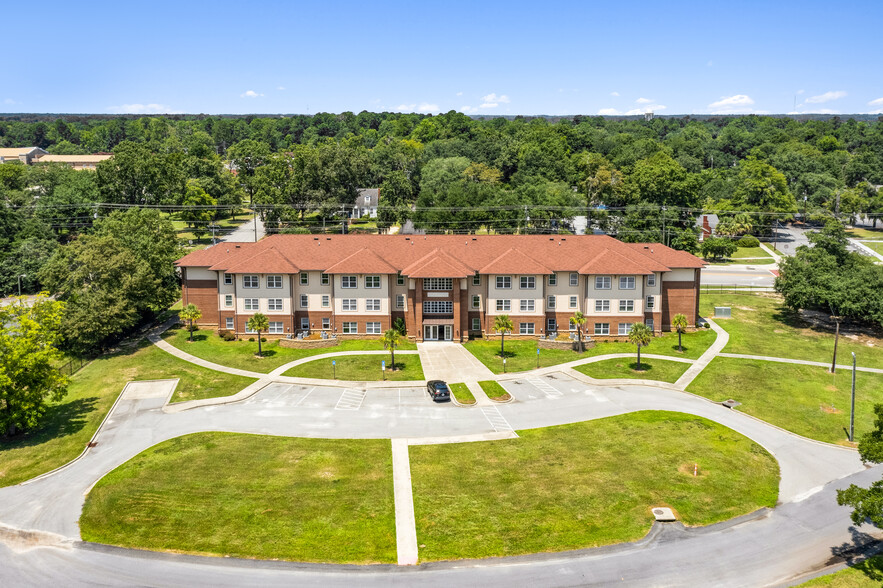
(263, 339)
(717, 248)
(251, 339)
(748, 241)
(227, 335)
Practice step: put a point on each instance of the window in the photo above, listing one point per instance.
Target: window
(275, 304)
(650, 302)
(228, 300)
(350, 328)
(627, 283)
(250, 282)
(372, 304)
(325, 280)
(651, 280)
(551, 325)
(602, 328)
(476, 301)
(326, 300)
(304, 278)
(438, 307)
(574, 279)
(304, 301)
(305, 323)
(625, 328)
(525, 329)
(528, 283)
(602, 306)
(228, 279)
(504, 305)
(274, 281)
(348, 282)
(649, 323)
(476, 324)
(229, 323)
(553, 280)
(326, 322)
(550, 302)
(626, 306)
(504, 282)
(400, 301)
(527, 305)
(348, 304)
(372, 328)
(400, 279)
(476, 279)
(276, 327)
(249, 329)
(438, 283)
(372, 282)
(602, 282)
(251, 304)
(573, 302)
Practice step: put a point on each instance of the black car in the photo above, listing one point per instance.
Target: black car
(438, 390)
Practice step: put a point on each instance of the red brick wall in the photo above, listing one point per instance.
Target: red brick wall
(680, 297)
(384, 320)
(204, 294)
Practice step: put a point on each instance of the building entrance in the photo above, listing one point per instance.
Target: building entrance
(438, 332)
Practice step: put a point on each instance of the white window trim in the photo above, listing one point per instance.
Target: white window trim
(476, 279)
(553, 279)
(272, 305)
(325, 279)
(346, 325)
(526, 329)
(326, 322)
(530, 280)
(651, 280)
(249, 307)
(326, 300)
(600, 328)
(372, 304)
(349, 304)
(400, 301)
(228, 300)
(230, 323)
(624, 306)
(354, 280)
(527, 305)
(304, 301)
(503, 280)
(573, 302)
(276, 328)
(372, 280)
(274, 278)
(601, 280)
(304, 279)
(370, 327)
(249, 278)
(574, 279)
(651, 302)
(625, 280)
(476, 301)
(622, 331)
(551, 301)
(504, 305)
(476, 324)
(228, 279)
(600, 305)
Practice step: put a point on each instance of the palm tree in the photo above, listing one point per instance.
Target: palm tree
(578, 319)
(258, 322)
(502, 325)
(640, 335)
(190, 313)
(679, 322)
(391, 339)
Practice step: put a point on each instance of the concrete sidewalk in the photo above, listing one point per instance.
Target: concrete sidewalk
(451, 362)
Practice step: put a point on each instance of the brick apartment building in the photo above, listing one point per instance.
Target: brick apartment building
(445, 287)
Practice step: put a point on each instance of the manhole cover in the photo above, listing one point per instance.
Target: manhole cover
(663, 514)
(731, 403)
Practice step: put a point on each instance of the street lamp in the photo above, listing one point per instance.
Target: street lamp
(19, 282)
(852, 408)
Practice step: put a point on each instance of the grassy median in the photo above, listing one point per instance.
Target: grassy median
(583, 485)
(867, 573)
(312, 500)
(462, 394)
(659, 370)
(360, 368)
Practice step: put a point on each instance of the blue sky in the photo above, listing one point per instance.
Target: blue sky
(511, 57)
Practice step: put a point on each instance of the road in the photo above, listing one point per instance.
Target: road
(758, 276)
(245, 233)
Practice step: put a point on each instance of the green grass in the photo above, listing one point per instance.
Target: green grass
(734, 261)
(806, 400)
(743, 252)
(360, 368)
(761, 325)
(651, 369)
(462, 394)
(865, 233)
(241, 354)
(865, 574)
(313, 500)
(71, 422)
(579, 485)
(521, 354)
(185, 233)
(878, 247)
(494, 390)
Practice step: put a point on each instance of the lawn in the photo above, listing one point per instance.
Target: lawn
(494, 390)
(651, 369)
(312, 500)
(743, 252)
(761, 325)
(360, 368)
(579, 485)
(241, 354)
(737, 261)
(71, 422)
(462, 394)
(876, 246)
(806, 400)
(521, 354)
(858, 233)
(865, 574)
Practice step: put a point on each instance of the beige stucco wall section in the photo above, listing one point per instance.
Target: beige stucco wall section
(515, 294)
(262, 293)
(314, 291)
(614, 295)
(361, 294)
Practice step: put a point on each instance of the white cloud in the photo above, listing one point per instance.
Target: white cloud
(826, 97)
(488, 105)
(632, 112)
(459, 93)
(143, 109)
(405, 107)
(250, 94)
(799, 92)
(9, 101)
(709, 64)
(425, 107)
(821, 111)
(280, 88)
(732, 102)
(877, 102)
(614, 93)
(643, 101)
(493, 98)
(608, 112)
(468, 109)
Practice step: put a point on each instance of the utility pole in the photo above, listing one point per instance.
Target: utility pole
(837, 320)
(852, 408)
(19, 282)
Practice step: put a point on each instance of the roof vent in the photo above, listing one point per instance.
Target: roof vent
(564, 238)
(646, 247)
(475, 238)
(315, 238)
(407, 238)
(327, 238)
(237, 247)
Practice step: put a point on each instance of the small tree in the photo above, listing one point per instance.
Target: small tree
(717, 248)
(865, 502)
(640, 335)
(259, 322)
(502, 325)
(578, 320)
(679, 322)
(391, 339)
(190, 313)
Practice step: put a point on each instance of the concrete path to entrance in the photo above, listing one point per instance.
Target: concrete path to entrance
(451, 362)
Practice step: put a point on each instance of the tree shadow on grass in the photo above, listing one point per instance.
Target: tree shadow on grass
(684, 349)
(645, 367)
(854, 554)
(267, 352)
(61, 420)
(505, 355)
(199, 336)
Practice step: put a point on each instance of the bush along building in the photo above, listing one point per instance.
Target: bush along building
(444, 287)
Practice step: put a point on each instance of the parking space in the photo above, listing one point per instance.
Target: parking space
(549, 387)
(291, 396)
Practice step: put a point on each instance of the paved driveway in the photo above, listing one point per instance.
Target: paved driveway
(451, 362)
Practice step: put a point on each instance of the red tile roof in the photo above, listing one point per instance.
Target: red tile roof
(429, 255)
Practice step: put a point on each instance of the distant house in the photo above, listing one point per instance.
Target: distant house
(366, 203)
(78, 162)
(26, 155)
(708, 223)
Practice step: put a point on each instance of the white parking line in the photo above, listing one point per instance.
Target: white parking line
(497, 421)
(545, 387)
(351, 399)
(304, 397)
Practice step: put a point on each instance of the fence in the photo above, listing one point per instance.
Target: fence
(73, 366)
